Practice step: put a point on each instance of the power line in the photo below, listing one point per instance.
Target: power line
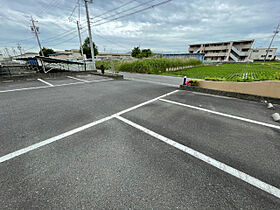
(135, 12)
(123, 5)
(132, 8)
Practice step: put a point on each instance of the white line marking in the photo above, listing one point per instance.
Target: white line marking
(74, 131)
(145, 103)
(153, 82)
(47, 83)
(216, 96)
(82, 80)
(226, 168)
(43, 87)
(222, 114)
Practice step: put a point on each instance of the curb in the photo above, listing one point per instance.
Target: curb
(58, 74)
(231, 94)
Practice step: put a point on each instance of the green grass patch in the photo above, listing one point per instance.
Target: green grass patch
(231, 72)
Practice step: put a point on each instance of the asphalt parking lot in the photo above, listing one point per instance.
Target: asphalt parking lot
(90, 142)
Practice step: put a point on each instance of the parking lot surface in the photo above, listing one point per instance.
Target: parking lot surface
(90, 142)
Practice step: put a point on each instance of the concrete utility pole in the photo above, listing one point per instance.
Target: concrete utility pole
(19, 48)
(36, 30)
(89, 33)
(275, 33)
(81, 45)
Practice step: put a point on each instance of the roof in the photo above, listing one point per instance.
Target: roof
(252, 40)
(61, 53)
(50, 60)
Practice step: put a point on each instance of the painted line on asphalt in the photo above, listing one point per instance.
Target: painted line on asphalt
(45, 82)
(216, 96)
(81, 80)
(226, 168)
(157, 83)
(223, 114)
(61, 85)
(74, 131)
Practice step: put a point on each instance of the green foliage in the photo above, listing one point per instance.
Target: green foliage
(135, 52)
(108, 64)
(138, 53)
(145, 53)
(46, 52)
(87, 50)
(156, 65)
(277, 75)
(194, 82)
(215, 78)
(232, 72)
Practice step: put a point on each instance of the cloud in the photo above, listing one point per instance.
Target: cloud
(170, 27)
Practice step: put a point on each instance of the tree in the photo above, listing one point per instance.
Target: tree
(135, 52)
(87, 50)
(138, 53)
(145, 53)
(46, 52)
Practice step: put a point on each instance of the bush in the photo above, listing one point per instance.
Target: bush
(107, 64)
(194, 82)
(156, 65)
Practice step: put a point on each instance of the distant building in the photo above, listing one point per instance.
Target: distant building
(1, 57)
(113, 56)
(199, 56)
(26, 55)
(236, 51)
(72, 55)
(258, 54)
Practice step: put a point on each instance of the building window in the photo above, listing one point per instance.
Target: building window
(255, 50)
(262, 56)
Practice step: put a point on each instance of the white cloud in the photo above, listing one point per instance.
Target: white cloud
(170, 27)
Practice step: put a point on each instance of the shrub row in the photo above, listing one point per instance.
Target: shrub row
(156, 65)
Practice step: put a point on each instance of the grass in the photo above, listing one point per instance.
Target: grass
(108, 64)
(156, 65)
(232, 72)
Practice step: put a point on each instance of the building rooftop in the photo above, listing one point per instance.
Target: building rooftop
(252, 40)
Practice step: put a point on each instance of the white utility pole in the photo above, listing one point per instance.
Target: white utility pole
(275, 33)
(19, 48)
(36, 31)
(89, 33)
(81, 45)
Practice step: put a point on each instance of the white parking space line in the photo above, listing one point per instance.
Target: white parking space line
(223, 114)
(53, 86)
(82, 80)
(226, 168)
(216, 96)
(74, 131)
(153, 82)
(47, 83)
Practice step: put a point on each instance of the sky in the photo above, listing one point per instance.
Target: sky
(167, 28)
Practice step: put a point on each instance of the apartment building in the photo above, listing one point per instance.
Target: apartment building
(258, 54)
(232, 51)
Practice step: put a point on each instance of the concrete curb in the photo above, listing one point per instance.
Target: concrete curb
(231, 94)
(58, 74)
